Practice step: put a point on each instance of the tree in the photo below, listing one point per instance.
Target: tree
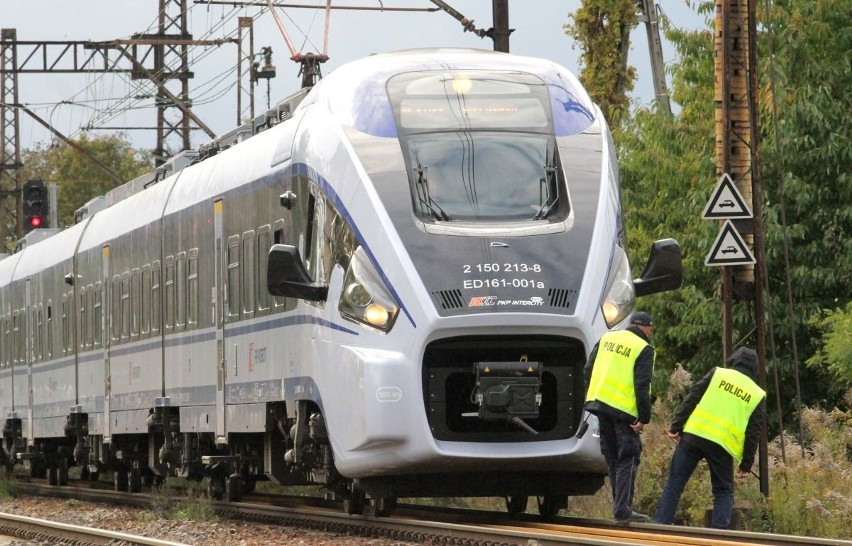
(601, 29)
(808, 158)
(836, 351)
(668, 165)
(78, 178)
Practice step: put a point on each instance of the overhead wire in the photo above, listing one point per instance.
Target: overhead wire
(136, 95)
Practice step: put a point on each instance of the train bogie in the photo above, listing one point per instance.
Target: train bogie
(390, 289)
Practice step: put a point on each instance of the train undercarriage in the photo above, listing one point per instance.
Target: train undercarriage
(292, 451)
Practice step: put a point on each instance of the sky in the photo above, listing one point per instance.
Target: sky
(71, 103)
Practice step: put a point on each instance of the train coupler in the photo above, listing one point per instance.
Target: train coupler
(508, 391)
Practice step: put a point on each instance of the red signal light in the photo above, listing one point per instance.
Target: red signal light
(35, 222)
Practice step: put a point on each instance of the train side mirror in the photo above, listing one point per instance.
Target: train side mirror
(286, 275)
(664, 270)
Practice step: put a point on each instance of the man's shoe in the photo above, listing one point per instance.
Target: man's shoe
(633, 517)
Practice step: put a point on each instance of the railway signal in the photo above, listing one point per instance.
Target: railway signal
(35, 205)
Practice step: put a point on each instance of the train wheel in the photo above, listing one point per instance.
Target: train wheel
(234, 488)
(249, 485)
(84, 472)
(549, 505)
(135, 481)
(52, 475)
(516, 504)
(62, 478)
(120, 481)
(216, 488)
(354, 503)
(383, 506)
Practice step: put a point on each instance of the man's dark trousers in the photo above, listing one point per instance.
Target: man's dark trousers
(686, 457)
(621, 448)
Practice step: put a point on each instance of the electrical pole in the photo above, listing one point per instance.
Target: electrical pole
(10, 150)
(648, 15)
(501, 30)
(737, 145)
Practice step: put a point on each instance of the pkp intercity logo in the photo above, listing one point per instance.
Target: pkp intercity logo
(482, 301)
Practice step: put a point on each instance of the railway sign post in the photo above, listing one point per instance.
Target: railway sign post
(729, 248)
(726, 202)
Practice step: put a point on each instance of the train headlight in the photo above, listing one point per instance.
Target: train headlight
(619, 295)
(365, 297)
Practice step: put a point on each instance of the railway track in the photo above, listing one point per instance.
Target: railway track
(413, 523)
(52, 532)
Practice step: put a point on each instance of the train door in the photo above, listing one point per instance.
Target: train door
(219, 314)
(28, 359)
(109, 294)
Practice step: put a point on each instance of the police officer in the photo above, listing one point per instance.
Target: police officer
(719, 421)
(618, 379)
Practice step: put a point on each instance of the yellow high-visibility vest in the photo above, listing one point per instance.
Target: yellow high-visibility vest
(722, 414)
(612, 375)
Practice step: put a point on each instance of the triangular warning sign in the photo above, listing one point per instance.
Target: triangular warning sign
(726, 202)
(729, 248)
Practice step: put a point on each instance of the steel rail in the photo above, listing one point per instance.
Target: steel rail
(453, 526)
(39, 529)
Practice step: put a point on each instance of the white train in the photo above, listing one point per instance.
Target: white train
(387, 285)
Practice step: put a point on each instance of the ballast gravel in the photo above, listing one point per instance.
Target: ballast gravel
(137, 521)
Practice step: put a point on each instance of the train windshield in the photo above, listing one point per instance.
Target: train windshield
(479, 146)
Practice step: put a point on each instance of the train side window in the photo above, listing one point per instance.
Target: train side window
(192, 289)
(7, 340)
(97, 315)
(156, 297)
(125, 305)
(16, 335)
(49, 330)
(180, 291)
(33, 335)
(115, 312)
(170, 293)
(40, 331)
(65, 323)
(36, 333)
(84, 317)
(249, 278)
(135, 302)
(145, 311)
(3, 341)
(277, 238)
(314, 221)
(89, 323)
(233, 286)
(263, 245)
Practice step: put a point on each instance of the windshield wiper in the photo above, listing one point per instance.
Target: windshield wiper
(551, 200)
(425, 199)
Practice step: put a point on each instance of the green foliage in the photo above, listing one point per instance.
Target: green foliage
(810, 494)
(190, 503)
(601, 28)
(668, 171)
(667, 174)
(835, 354)
(7, 487)
(78, 178)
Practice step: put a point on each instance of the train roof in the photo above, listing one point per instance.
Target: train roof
(355, 93)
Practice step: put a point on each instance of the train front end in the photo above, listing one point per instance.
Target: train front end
(486, 209)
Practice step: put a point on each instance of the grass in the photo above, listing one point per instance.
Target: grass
(810, 487)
